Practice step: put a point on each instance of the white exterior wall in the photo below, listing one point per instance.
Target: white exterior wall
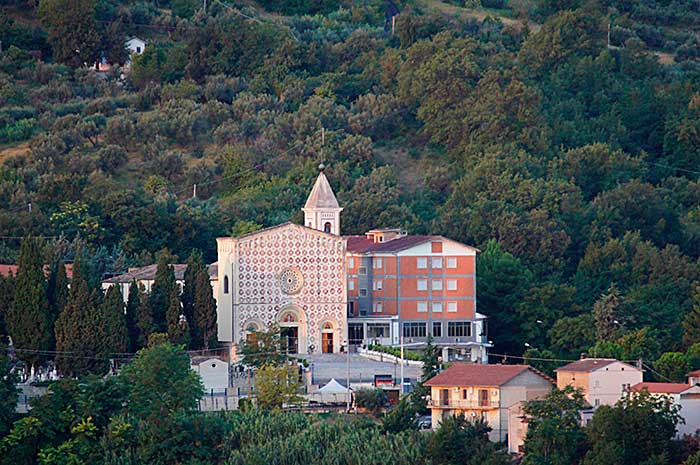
(690, 411)
(605, 385)
(526, 386)
(214, 373)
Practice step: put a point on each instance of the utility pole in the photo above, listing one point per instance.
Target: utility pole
(205, 6)
(393, 24)
(194, 188)
(401, 371)
(347, 372)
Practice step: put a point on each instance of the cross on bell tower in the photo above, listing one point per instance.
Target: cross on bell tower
(321, 210)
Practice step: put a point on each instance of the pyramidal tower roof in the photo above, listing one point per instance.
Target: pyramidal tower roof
(321, 195)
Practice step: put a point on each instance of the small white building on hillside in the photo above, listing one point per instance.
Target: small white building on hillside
(686, 396)
(135, 45)
(213, 371)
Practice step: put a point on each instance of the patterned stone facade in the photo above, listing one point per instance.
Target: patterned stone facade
(290, 275)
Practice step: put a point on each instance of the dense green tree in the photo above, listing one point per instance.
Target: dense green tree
(57, 290)
(672, 366)
(264, 348)
(163, 286)
(554, 434)
(8, 392)
(28, 320)
(635, 430)
(276, 386)
(372, 400)
(504, 281)
(604, 314)
(133, 304)
(7, 296)
(691, 321)
(144, 318)
(189, 289)
(178, 327)
(161, 383)
(572, 336)
(459, 441)
(78, 330)
(431, 367)
(72, 30)
(114, 335)
(401, 417)
(205, 312)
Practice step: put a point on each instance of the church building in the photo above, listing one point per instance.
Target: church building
(328, 291)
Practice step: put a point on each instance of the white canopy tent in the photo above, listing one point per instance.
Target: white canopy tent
(332, 392)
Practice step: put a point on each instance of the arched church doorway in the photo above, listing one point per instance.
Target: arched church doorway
(327, 338)
(291, 329)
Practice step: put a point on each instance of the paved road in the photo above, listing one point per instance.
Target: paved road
(362, 370)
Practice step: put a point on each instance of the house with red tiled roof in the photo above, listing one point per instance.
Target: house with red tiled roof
(488, 392)
(685, 395)
(603, 381)
(11, 269)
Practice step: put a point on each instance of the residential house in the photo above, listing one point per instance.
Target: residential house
(486, 392)
(685, 395)
(135, 46)
(603, 381)
(7, 270)
(146, 275)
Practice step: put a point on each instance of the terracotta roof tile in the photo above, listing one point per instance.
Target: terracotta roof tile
(469, 374)
(660, 388)
(148, 273)
(6, 269)
(587, 365)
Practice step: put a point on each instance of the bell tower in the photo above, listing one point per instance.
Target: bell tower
(321, 210)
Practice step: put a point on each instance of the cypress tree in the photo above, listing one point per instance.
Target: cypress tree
(132, 313)
(28, 318)
(7, 296)
(178, 328)
(57, 292)
(113, 332)
(204, 312)
(604, 314)
(144, 318)
(194, 265)
(163, 286)
(78, 332)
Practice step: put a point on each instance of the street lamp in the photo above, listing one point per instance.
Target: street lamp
(527, 344)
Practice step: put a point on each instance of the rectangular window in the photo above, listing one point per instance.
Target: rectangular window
(437, 307)
(437, 284)
(437, 329)
(376, 330)
(452, 262)
(451, 284)
(351, 285)
(422, 285)
(378, 285)
(464, 394)
(437, 262)
(414, 329)
(377, 263)
(459, 329)
(363, 292)
(422, 262)
(362, 270)
(422, 307)
(351, 263)
(452, 307)
(378, 308)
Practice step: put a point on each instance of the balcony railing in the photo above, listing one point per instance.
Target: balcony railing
(464, 404)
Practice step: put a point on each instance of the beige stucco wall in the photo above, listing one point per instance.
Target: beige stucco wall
(606, 384)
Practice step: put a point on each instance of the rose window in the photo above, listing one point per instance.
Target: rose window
(290, 281)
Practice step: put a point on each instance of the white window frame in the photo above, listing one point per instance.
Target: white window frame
(351, 263)
(452, 307)
(436, 261)
(362, 270)
(422, 263)
(422, 285)
(451, 284)
(377, 263)
(452, 262)
(378, 285)
(351, 285)
(378, 307)
(363, 292)
(437, 307)
(422, 306)
(439, 284)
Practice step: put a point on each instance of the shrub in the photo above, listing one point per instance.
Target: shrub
(373, 400)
